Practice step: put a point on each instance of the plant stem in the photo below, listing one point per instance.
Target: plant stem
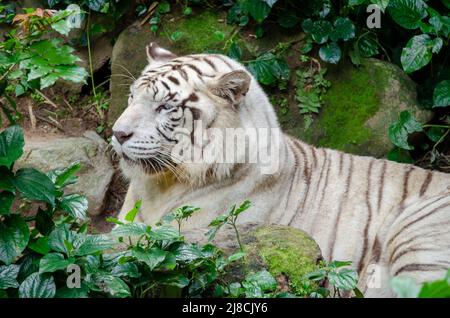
(238, 236)
(91, 66)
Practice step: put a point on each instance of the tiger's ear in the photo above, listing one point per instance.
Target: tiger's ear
(156, 53)
(232, 86)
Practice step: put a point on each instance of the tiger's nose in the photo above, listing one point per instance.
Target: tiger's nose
(122, 136)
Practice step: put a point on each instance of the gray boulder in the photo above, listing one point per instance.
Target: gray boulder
(58, 152)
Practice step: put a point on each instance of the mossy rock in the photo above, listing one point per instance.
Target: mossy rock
(287, 253)
(358, 109)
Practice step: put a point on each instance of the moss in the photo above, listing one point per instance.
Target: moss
(286, 251)
(200, 32)
(350, 102)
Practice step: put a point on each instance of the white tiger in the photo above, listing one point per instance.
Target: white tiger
(387, 218)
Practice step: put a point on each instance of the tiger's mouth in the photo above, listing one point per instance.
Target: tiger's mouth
(149, 165)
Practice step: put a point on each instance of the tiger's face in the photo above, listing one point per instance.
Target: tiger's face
(168, 99)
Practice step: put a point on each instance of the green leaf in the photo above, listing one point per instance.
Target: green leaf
(175, 279)
(330, 53)
(436, 45)
(114, 286)
(53, 262)
(259, 10)
(58, 238)
(98, 5)
(40, 246)
(345, 279)
(436, 133)
(127, 270)
(73, 73)
(44, 222)
(441, 96)
(400, 155)
(177, 35)
(187, 253)
(267, 69)
(90, 244)
(131, 215)
(408, 13)
(11, 145)
(6, 201)
(152, 257)
(76, 205)
(6, 177)
(66, 176)
(399, 131)
(8, 276)
(320, 30)
(51, 52)
(236, 256)
(264, 280)
(317, 275)
(48, 80)
(37, 286)
(235, 52)
(242, 208)
(417, 53)
(131, 229)
(405, 287)
(34, 185)
(164, 7)
(14, 236)
(66, 292)
(344, 29)
(164, 232)
(436, 289)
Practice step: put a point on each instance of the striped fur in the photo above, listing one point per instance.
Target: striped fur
(387, 218)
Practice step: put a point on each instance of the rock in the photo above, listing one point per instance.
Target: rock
(287, 253)
(358, 109)
(58, 152)
(200, 33)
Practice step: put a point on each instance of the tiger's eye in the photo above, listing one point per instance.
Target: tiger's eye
(161, 108)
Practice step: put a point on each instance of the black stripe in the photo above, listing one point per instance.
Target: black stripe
(405, 185)
(341, 204)
(426, 183)
(369, 216)
(296, 165)
(381, 186)
(418, 219)
(165, 85)
(173, 80)
(420, 267)
(210, 63)
(394, 258)
(167, 138)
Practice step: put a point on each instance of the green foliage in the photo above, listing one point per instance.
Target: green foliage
(31, 60)
(340, 277)
(406, 287)
(310, 85)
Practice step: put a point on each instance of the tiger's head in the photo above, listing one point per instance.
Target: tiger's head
(173, 99)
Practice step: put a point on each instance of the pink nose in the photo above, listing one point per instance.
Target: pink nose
(122, 136)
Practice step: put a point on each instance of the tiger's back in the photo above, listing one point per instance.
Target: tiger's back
(387, 218)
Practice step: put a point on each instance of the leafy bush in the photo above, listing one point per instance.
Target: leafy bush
(406, 287)
(30, 60)
(414, 34)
